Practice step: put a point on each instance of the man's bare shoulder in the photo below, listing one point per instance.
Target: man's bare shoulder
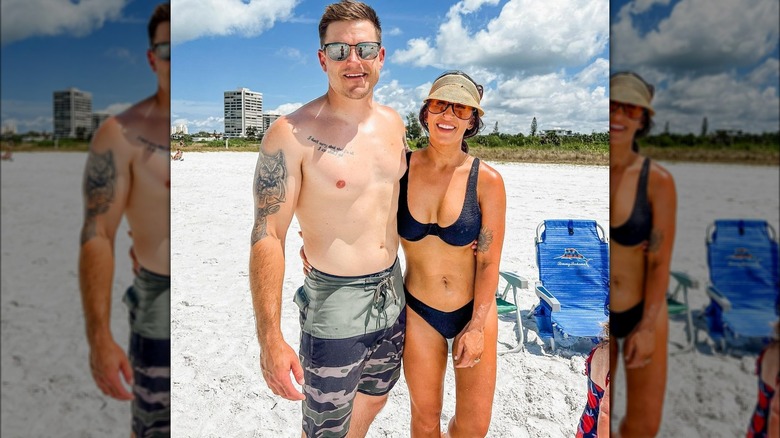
(109, 136)
(122, 131)
(287, 131)
(390, 115)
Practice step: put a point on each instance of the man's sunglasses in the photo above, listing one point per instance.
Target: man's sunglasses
(461, 111)
(340, 51)
(162, 51)
(631, 111)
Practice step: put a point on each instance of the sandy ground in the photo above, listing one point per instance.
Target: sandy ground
(709, 394)
(218, 389)
(47, 389)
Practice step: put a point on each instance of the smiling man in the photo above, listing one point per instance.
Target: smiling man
(128, 173)
(335, 163)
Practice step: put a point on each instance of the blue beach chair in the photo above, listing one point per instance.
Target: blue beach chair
(743, 263)
(573, 289)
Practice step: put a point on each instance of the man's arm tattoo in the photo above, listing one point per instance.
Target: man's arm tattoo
(270, 184)
(99, 186)
(484, 240)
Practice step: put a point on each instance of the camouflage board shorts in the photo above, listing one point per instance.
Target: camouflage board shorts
(352, 338)
(149, 305)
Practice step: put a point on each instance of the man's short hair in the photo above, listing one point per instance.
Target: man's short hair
(348, 10)
(161, 14)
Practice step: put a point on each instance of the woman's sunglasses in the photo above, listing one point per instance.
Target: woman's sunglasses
(340, 51)
(461, 111)
(631, 111)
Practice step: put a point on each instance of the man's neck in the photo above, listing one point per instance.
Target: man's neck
(344, 107)
(162, 100)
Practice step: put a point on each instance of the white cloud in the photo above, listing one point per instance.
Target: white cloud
(292, 54)
(699, 36)
(640, 6)
(395, 31)
(29, 18)
(122, 54)
(115, 108)
(527, 35)
(728, 102)
(285, 109)
(193, 19)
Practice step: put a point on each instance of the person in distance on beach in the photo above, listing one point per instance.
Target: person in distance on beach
(128, 173)
(642, 209)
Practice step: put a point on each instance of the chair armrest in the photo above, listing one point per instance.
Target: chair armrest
(548, 297)
(716, 296)
(514, 279)
(685, 279)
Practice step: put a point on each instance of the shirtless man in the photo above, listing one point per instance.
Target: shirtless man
(128, 173)
(335, 163)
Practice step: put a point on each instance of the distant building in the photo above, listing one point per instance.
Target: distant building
(180, 129)
(559, 132)
(9, 128)
(98, 118)
(72, 113)
(268, 119)
(243, 109)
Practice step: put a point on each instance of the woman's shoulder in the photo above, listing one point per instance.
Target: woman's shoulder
(488, 173)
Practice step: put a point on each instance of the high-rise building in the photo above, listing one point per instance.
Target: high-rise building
(243, 109)
(268, 119)
(72, 113)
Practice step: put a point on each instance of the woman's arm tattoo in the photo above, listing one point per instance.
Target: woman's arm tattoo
(270, 183)
(99, 186)
(484, 240)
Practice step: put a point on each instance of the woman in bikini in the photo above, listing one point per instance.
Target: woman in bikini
(642, 213)
(447, 200)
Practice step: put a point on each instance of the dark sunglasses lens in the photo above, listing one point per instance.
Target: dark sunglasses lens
(163, 51)
(337, 52)
(437, 106)
(367, 50)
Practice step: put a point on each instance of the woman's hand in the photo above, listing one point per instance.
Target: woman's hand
(302, 253)
(640, 345)
(469, 345)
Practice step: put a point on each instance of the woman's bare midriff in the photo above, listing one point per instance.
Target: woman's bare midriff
(627, 276)
(438, 274)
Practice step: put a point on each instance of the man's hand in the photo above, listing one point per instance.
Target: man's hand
(640, 345)
(108, 362)
(468, 348)
(277, 361)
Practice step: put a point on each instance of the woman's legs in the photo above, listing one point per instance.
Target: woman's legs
(475, 388)
(425, 360)
(645, 388)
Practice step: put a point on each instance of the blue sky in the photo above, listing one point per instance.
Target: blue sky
(95, 46)
(707, 58)
(543, 59)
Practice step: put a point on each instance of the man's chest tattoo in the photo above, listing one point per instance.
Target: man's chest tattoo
(329, 148)
(151, 146)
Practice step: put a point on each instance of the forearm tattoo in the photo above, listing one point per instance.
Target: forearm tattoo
(484, 240)
(654, 243)
(99, 187)
(270, 183)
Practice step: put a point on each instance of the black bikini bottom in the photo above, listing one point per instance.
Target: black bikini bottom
(448, 324)
(622, 323)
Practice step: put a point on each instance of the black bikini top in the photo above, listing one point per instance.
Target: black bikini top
(464, 231)
(639, 225)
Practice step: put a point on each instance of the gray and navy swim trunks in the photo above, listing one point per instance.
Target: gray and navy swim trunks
(352, 339)
(149, 305)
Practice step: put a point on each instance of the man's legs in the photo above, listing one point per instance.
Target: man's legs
(364, 410)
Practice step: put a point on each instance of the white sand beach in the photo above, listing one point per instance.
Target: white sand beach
(218, 389)
(47, 389)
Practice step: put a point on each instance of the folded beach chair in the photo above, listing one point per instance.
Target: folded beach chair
(677, 304)
(743, 263)
(573, 261)
(513, 283)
